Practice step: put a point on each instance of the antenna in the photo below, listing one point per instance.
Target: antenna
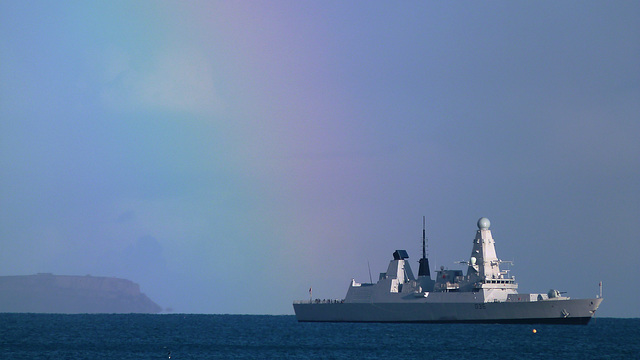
(369, 266)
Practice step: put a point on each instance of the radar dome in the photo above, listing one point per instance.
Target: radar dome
(484, 223)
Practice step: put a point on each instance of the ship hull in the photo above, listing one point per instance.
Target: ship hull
(579, 311)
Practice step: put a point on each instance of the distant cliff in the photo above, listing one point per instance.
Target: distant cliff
(48, 293)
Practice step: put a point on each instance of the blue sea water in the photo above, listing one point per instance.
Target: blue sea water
(54, 336)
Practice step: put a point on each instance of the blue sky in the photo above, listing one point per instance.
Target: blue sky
(227, 155)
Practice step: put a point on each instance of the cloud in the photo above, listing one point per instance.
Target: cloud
(176, 80)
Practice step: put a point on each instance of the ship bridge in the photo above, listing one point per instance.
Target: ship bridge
(483, 268)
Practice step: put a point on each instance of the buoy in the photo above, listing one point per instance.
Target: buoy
(535, 331)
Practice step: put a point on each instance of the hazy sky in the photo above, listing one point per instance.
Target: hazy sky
(227, 155)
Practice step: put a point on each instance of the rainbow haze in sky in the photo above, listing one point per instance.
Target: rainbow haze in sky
(227, 156)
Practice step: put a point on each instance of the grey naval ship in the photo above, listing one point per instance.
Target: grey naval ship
(486, 294)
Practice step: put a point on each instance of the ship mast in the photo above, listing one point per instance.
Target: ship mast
(424, 262)
(424, 237)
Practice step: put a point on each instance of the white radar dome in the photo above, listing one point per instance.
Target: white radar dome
(484, 223)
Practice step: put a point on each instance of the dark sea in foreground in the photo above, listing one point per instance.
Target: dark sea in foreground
(50, 336)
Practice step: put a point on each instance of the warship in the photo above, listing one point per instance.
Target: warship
(486, 294)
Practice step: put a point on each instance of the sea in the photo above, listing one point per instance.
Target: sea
(188, 336)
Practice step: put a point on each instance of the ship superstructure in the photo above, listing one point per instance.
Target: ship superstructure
(485, 294)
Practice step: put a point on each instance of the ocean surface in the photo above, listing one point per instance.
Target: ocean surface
(179, 336)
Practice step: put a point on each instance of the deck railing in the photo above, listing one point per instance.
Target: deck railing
(319, 301)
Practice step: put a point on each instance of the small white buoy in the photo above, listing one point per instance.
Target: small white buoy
(535, 331)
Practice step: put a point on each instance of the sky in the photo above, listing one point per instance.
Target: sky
(227, 156)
